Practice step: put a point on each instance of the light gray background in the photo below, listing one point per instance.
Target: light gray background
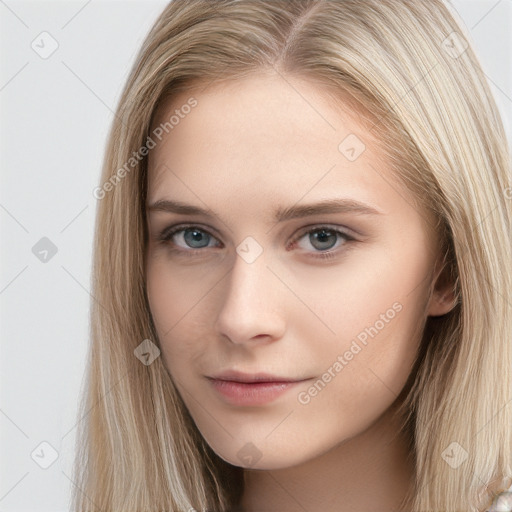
(55, 116)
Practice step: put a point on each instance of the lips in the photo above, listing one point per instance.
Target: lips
(251, 389)
(236, 376)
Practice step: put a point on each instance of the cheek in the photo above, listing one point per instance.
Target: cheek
(175, 290)
(174, 298)
(363, 368)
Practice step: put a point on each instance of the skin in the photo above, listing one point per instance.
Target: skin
(247, 148)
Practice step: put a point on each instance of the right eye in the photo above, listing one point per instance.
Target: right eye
(188, 238)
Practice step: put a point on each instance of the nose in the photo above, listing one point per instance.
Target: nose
(252, 303)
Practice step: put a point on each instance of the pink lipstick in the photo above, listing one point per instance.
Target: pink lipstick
(251, 389)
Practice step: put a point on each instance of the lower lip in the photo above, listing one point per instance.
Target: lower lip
(254, 393)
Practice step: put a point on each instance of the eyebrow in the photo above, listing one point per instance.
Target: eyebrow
(280, 214)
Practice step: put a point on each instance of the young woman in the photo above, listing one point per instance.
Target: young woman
(302, 268)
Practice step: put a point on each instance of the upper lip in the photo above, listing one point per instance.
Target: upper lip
(237, 376)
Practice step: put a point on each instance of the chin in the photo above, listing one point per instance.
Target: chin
(255, 456)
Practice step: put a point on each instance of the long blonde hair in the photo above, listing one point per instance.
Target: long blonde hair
(410, 69)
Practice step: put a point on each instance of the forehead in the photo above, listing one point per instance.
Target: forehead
(262, 126)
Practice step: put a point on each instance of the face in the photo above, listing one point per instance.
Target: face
(332, 300)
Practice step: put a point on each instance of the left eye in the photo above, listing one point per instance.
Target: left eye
(198, 238)
(324, 238)
(190, 239)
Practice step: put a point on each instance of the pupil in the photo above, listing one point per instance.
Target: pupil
(322, 236)
(193, 236)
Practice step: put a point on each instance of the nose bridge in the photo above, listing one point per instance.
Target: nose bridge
(250, 306)
(246, 283)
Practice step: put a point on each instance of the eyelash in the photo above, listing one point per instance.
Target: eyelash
(166, 235)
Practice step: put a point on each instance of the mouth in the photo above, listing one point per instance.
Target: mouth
(236, 376)
(243, 389)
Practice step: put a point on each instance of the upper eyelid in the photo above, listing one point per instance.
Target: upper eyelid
(172, 230)
(327, 226)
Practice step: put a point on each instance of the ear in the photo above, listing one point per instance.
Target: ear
(442, 300)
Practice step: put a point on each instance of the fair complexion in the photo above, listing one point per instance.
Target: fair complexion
(247, 149)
